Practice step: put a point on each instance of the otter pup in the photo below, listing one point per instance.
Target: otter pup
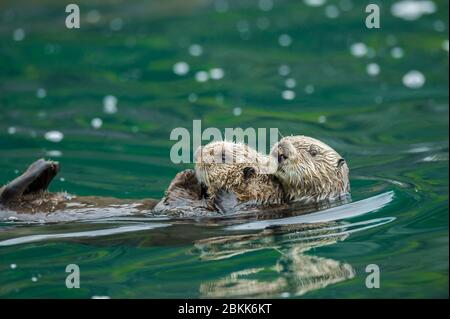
(235, 169)
(310, 170)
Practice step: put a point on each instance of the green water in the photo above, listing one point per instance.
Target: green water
(394, 138)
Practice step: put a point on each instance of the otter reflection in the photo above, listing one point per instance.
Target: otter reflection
(295, 272)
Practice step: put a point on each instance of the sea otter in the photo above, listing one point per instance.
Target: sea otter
(227, 176)
(310, 170)
(219, 184)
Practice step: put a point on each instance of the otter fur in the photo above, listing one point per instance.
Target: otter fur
(310, 170)
(239, 170)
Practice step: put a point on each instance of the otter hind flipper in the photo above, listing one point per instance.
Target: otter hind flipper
(36, 178)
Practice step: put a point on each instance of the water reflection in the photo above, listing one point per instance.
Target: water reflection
(295, 272)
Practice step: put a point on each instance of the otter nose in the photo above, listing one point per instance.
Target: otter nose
(281, 157)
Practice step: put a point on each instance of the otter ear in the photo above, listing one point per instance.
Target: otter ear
(340, 162)
(248, 172)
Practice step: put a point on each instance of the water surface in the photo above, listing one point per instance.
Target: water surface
(291, 66)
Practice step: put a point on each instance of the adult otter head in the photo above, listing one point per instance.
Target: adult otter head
(309, 169)
(237, 169)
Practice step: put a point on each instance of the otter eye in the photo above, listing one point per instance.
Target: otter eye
(313, 151)
(281, 158)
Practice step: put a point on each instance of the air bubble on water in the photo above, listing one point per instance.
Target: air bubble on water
(439, 26)
(62, 179)
(13, 266)
(237, 111)
(41, 93)
(359, 49)
(116, 24)
(221, 6)
(265, 5)
(397, 53)
(243, 26)
(373, 69)
(288, 95)
(322, 119)
(54, 153)
(216, 73)
(192, 97)
(34, 279)
(315, 3)
(445, 45)
(414, 79)
(19, 34)
(93, 16)
(54, 136)
(332, 11)
(12, 130)
(412, 10)
(201, 76)
(346, 5)
(284, 70)
(263, 23)
(181, 68)
(110, 104)
(96, 123)
(285, 40)
(309, 89)
(195, 50)
(290, 83)
(16, 171)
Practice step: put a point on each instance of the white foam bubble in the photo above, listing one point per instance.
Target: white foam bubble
(13, 266)
(192, 97)
(110, 104)
(116, 24)
(181, 68)
(54, 136)
(201, 76)
(216, 73)
(12, 130)
(445, 45)
(265, 5)
(412, 10)
(309, 89)
(290, 83)
(373, 69)
(322, 119)
(237, 111)
(315, 3)
(359, 49)
(19, 34)
(195, 50)
(221, 6)
(285, 40)
(414, 79)
(93, 16)
(332, 12)
(54, 153)
(284, 70)
(96, 122)
(397, 53)
(288, 95)
(41, 93)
